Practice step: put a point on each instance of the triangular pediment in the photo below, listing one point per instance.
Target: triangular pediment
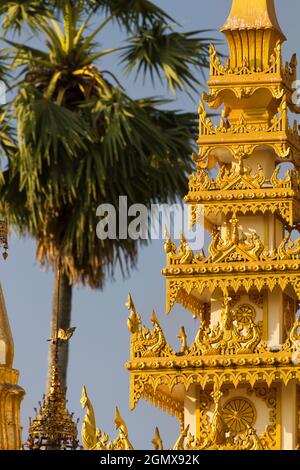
(242, 182)
(235, 253)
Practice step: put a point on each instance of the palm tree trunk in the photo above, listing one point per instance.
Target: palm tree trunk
(61, 318)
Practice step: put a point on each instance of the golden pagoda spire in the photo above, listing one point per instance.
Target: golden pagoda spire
(252, 32)
(6, 339)
(53, 426)
(11, 394)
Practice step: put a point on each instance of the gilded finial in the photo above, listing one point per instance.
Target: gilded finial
(119, 422)
(123, 431)
(134, 319)
(167, 235)
(169, 245)
(250, 17)
(84, 397)
(6, 339)
(89, 432)
(216, 394)
(157, 441)
(129, 304)
(154, 318)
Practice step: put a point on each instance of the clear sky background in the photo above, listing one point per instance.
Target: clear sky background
(100, 345)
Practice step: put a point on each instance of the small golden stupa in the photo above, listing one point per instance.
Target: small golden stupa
(53, 427)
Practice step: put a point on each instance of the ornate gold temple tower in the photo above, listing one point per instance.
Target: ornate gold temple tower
(237, 385)
(11, 394)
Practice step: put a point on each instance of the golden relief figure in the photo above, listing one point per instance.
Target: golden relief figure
(236, 334)
(145, 343)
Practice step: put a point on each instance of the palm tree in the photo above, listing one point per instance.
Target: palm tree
(83, 141)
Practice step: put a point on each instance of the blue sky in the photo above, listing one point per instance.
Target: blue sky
(100, 345)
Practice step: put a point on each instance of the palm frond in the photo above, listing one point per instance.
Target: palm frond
(161, 52)
(83, 141)
(16, 13)
(132, 13)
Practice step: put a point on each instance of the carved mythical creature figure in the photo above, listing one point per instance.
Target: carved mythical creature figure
(213, 248)
(179, 444)
(169, 246)
(253, 339)
(254, 245)
(122, 442)
(145, 343)
(134, 319)
(185, 252)
(229, 336)
(293, 343)
(252, 440)
(93, 438)
(89, 430)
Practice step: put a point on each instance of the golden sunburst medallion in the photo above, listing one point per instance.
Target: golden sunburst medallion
(244, 314)
(239, 414)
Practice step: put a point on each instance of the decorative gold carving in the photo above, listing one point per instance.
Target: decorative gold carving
(218, 425)
(233, 247)
(244, 314)
(185, 254)
(145, 343)
(288, 210)
(11, 396)
(237, 177)
(93, 438)
(298, 416)
(217, 69)
(271, 437)
(194, 305)
(239, 414)
(165, 401)
(292, 344)
(289, 249)
(205, 403)
(279, 123)
(240, 435)
(236, 189)
(179, 444)
(255, 96)
(237, 334)
(289, 314)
